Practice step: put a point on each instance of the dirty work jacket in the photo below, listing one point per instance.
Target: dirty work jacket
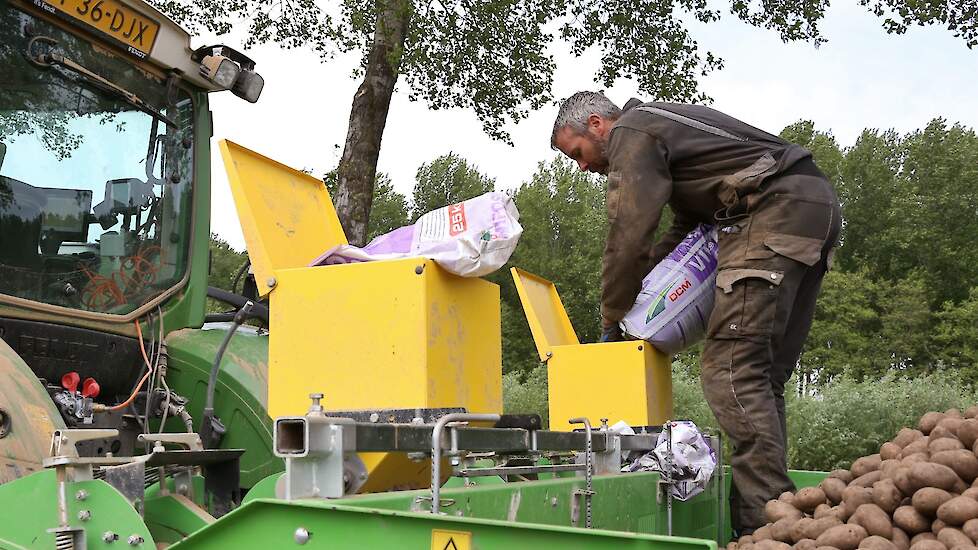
(701, 162)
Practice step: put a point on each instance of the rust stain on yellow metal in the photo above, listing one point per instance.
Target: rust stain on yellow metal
(629, 381)
(392, 334)
(286, 215)
(381, 335)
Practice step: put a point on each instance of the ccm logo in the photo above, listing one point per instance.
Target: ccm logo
(456, 219)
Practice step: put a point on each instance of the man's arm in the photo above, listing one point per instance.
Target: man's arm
(681, 226)
(639, 186)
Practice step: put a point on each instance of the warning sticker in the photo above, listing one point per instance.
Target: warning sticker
(450, 540)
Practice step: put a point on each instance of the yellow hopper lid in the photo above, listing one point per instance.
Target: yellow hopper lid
(286, 215)
(545, 313)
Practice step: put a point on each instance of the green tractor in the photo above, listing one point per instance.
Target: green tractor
(129, 417)
(104, 226)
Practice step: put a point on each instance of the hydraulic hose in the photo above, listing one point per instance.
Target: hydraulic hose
(211, 428)
(183, 415)
(97, 407)
(239, 319)
(258, 311)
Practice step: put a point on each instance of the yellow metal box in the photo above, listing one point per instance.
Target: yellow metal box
(630, 381)
(393, 334)
(375, 335)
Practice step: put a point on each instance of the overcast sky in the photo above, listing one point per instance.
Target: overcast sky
(862, 78)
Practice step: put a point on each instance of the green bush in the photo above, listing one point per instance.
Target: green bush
(688, 402)
(845, 420)
(848, 419)
(526, 395)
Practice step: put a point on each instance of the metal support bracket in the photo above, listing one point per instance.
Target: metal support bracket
(189, 440)
(587, 493)
(63, 441)
(320, 455)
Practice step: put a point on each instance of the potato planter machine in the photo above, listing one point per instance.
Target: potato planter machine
(132, 417)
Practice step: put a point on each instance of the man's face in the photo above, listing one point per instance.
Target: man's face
(588, 150)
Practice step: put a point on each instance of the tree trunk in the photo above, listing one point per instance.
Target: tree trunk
(368, 116)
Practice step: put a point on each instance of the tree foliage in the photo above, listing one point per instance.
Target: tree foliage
(905, 278)
(491, 56)
(564, 226)
(448, 179)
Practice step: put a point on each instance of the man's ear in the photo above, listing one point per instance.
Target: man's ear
(594, 121)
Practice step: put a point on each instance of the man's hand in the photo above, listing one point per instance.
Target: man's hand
(612, 334)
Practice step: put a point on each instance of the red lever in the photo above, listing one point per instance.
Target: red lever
(90, 388)
(70, 381)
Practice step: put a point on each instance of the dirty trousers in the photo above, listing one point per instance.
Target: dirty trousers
(773, 253)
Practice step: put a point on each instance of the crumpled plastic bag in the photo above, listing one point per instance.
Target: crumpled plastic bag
(693, 460)
(673, 308)
(471, 239)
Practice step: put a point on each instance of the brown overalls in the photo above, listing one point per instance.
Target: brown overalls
(778, 220)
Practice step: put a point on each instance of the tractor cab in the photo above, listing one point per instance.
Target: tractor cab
(100, 138)
(104, 226)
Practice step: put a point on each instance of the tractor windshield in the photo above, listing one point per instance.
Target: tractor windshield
(96, 171)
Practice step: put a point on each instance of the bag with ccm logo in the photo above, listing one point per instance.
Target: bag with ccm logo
(471, 238)
(674, 306)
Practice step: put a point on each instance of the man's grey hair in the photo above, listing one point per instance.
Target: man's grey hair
(575, 109)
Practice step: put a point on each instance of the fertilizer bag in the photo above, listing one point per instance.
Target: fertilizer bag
(674, 306)
(471, 238)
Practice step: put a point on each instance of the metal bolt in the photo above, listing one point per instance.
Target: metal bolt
(553, 501)
(733, 326)
(110, 537)
(316, 408)
(302, 535)
(374, 417)
(82, 494)
(640, 348)
(604, 423)
(183, 490)
(84, 515)
(271, 282)
(135, 540)
(774, 275)
(419, 270)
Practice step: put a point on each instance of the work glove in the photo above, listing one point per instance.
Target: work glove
(612, 334)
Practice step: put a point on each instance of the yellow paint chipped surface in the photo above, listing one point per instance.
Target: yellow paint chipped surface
(286, 215)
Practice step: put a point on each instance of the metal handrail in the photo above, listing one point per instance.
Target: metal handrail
(436, 449)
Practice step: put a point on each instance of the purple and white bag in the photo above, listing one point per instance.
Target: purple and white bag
(673, 308)
(471, 238)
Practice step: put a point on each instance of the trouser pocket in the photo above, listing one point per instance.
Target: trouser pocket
(745, 303)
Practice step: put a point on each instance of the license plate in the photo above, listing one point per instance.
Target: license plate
(120, 22)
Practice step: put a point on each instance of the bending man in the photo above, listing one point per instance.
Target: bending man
(778, 219)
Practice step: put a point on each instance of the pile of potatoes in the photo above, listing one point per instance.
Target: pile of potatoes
(919, 493)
